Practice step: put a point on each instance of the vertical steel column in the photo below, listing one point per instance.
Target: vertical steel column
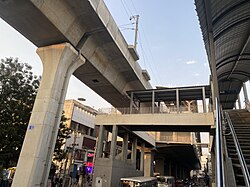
(153, 101)
(204, 100)
(113, 142)
(220, 175)
(177, 101)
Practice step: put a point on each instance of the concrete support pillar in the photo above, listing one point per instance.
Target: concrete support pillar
(153, 102)
(177, 101)
(134, 145)
(239, 101)
(148, 166)
(142, 157)
(59, 62)
(245, 93)
(204, 100)
(100, 142)
(113, 142)
(125, 146)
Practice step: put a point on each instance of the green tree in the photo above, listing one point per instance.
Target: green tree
(18, 88)
(63, 133)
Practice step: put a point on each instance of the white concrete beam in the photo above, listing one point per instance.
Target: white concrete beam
(193, 119)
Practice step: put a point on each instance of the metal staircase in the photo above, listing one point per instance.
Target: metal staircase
(237, 135)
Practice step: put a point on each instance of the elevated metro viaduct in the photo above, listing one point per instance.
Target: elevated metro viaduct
(80, 37)
(76, 37)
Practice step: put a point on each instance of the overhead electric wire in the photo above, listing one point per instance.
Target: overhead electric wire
(124, 7)
(133, 6)
(143, 56)
(124, 28)
(145, 59)
(127, 24)
(151, 54)
(125, 4)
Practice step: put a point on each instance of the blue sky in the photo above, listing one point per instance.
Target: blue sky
(170, 37)
(170, 44)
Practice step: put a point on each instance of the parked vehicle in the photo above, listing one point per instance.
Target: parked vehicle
(166, 181)
(139, 182)
(179, 183)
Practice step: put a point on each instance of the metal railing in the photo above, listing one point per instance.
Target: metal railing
(247, 105)
(220, 175)
(146, 110)
(243, 164)
(173, 139)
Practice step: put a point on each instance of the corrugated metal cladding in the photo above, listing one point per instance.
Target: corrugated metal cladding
(227, 24)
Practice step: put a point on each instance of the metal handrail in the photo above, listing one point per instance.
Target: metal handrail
(243, 164)
(247, 105)
(220, 176)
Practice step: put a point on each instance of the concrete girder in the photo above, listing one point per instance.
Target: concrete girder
(111, 63)
(189, 122)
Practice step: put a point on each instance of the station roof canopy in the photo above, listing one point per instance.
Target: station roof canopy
(169, 94)
(225, 26)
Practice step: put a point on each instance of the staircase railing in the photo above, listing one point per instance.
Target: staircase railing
(220, 175)
(243, 164)
(247, 105)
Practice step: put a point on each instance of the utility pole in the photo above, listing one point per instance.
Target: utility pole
(136, 17)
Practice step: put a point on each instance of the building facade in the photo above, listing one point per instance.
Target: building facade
(81, 144)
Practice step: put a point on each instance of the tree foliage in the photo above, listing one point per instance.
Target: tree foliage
(18, 88)
(63, 133)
